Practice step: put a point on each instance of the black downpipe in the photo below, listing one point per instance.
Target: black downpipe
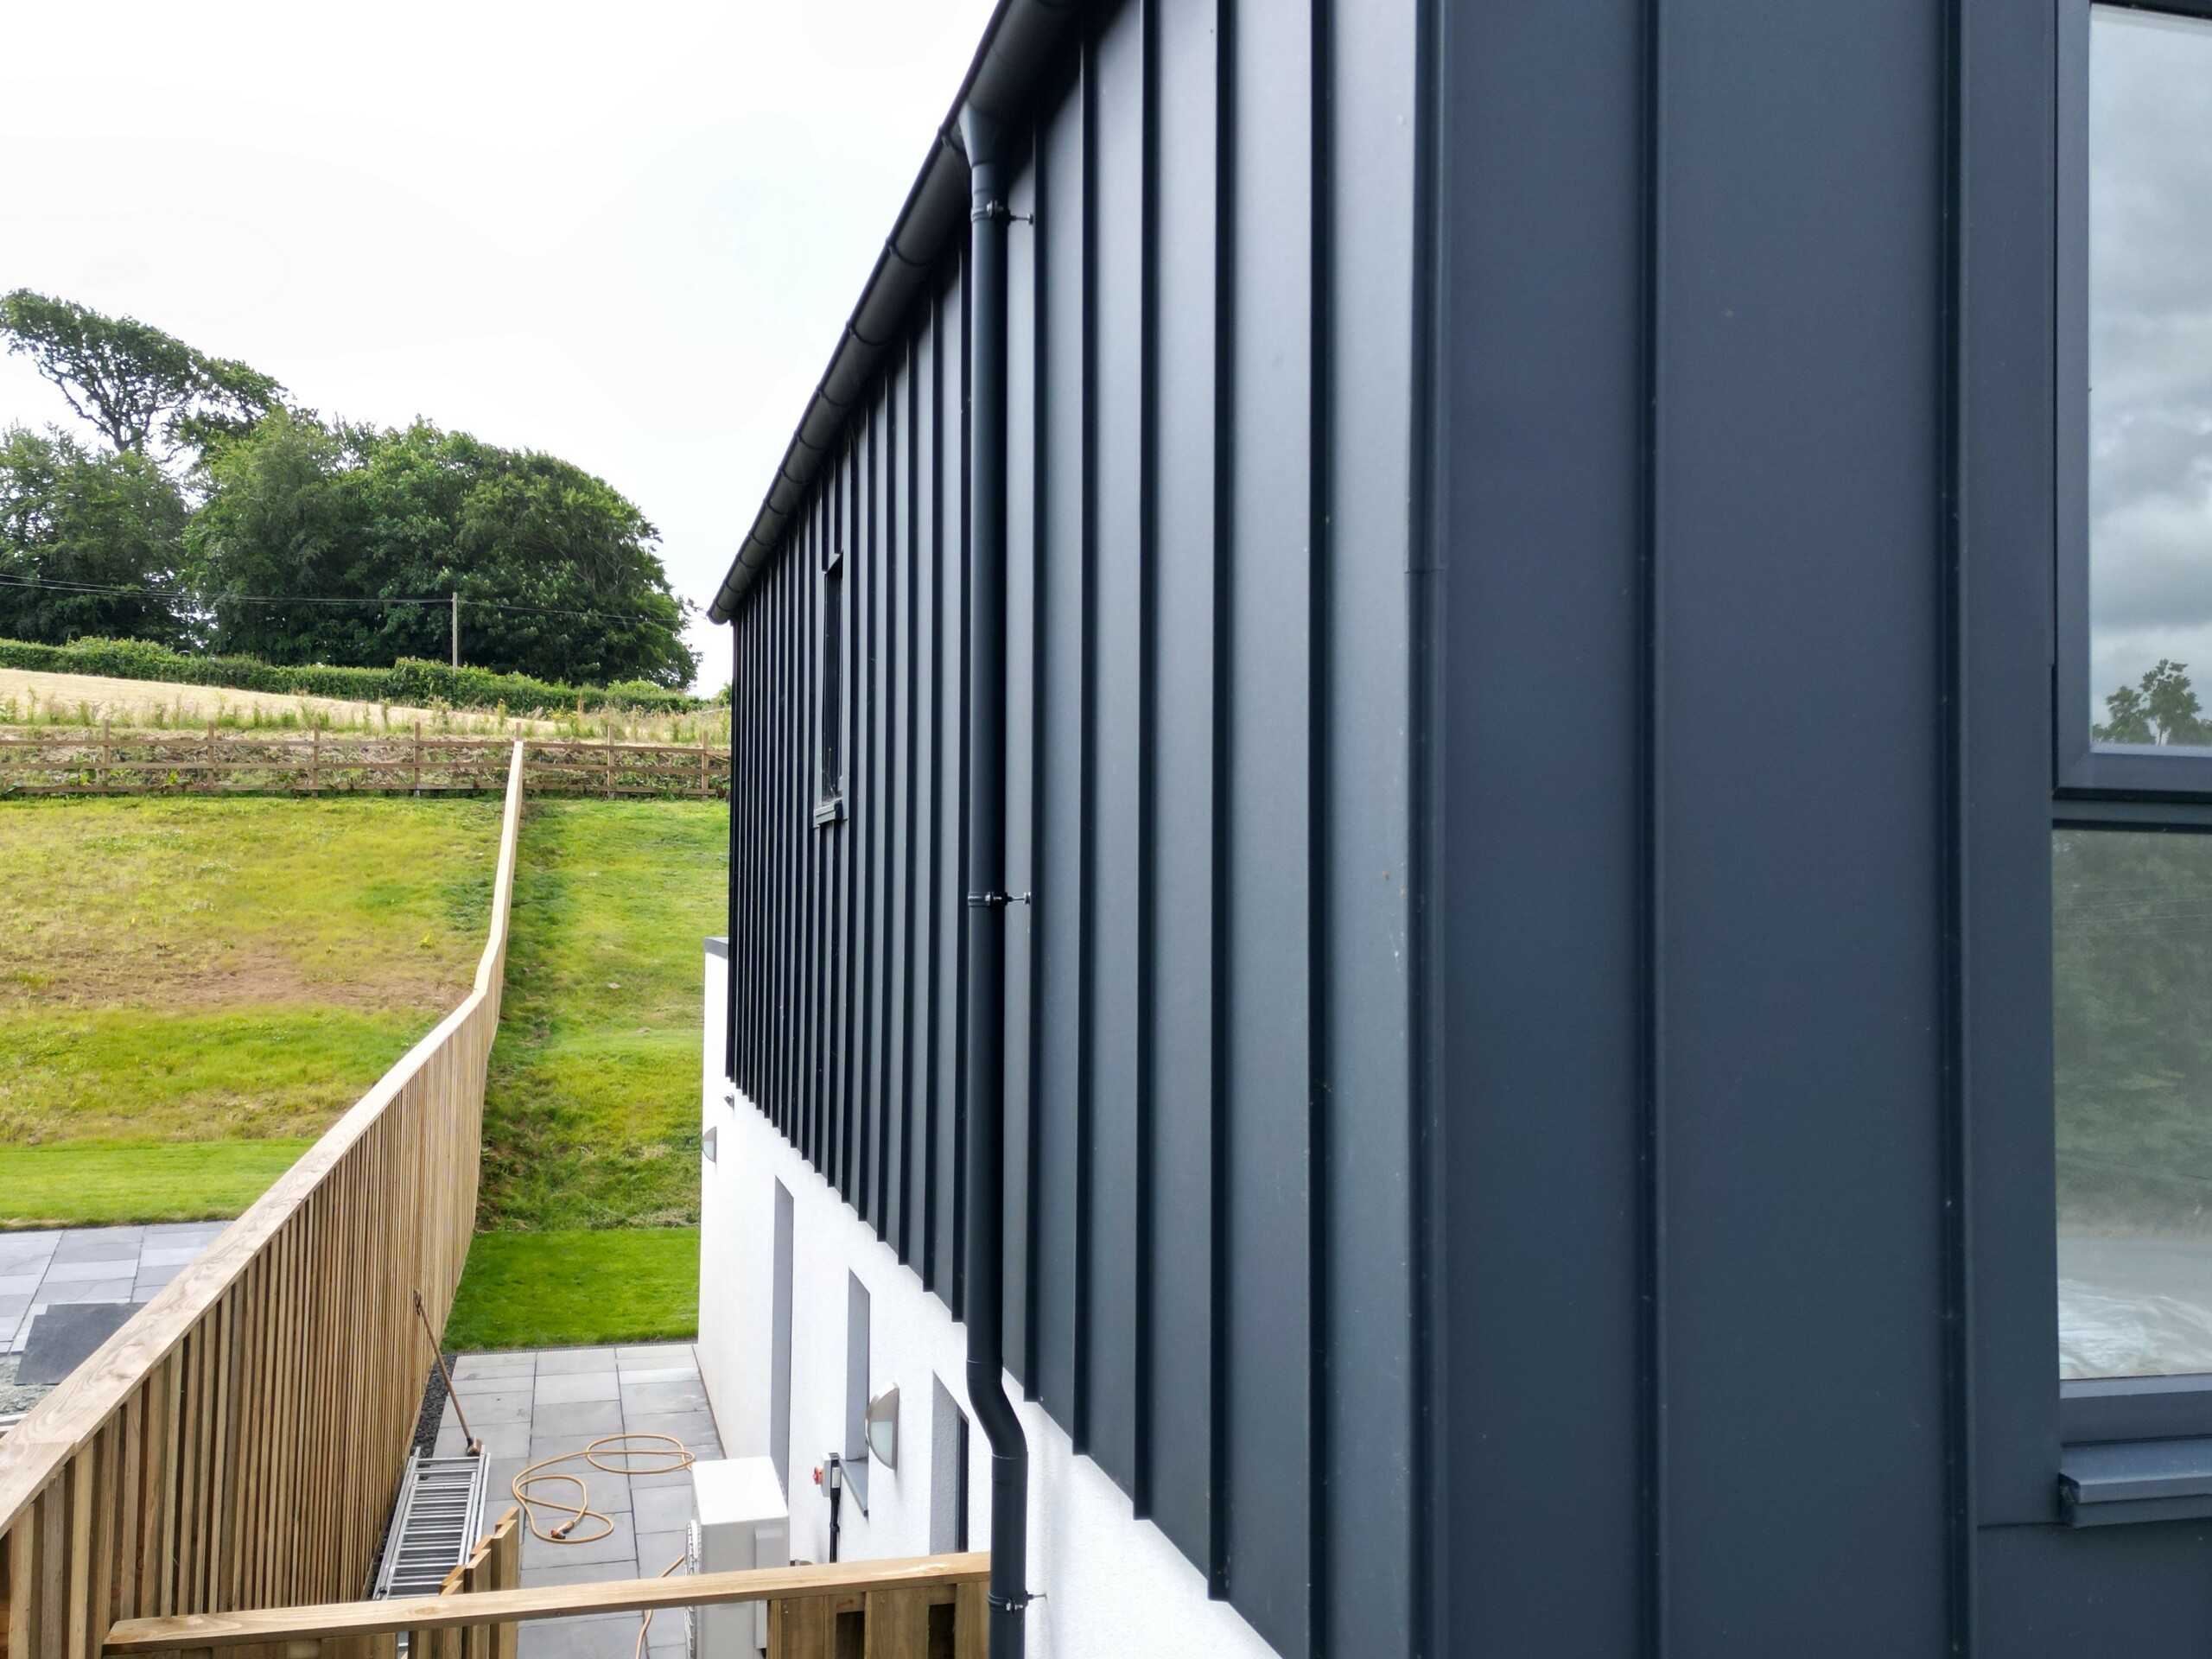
(983, 1297)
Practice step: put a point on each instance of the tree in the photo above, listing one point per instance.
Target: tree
(129, 378)
(2162, 707)
(74, 523)
(556, 570)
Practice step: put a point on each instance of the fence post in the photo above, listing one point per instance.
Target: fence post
(314, 759)
(417, 761)
(703, 762)
(207, 766)
(104, 743)
(610, 760)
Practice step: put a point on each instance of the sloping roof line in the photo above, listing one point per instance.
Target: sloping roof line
(1017, 42)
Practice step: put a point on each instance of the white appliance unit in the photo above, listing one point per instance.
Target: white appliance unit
(739, 1520)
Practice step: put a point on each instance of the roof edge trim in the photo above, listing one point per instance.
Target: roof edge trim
(1017, 42)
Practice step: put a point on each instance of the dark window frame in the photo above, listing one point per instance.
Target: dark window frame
(2102, 786)
(832, 659)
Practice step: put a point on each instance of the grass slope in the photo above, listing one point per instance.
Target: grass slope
(562, 1289)
(591, 1114)
(233, 973)
(590, 1191)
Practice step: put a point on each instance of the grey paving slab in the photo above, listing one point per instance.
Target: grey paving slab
(657, 1549)
(21, 1284)
(510, 1405)
(577, 1638)
(658, 1353)
(587, 1572)
(659, 1509)
(620, 1545)
(687, 1372)
(576, 1420)
(100, 1245)
(94, 1266)
(500, 1440)
(498, 1368)
(663, 1398)
(551, 1360)
(695, 1429)
(89, 1290)
(569, 1388)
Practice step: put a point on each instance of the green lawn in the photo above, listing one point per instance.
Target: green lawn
(92, 1184)
(580, 1288)
(191, 990)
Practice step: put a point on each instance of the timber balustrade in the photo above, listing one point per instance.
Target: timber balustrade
(98, 760)
(926, 1607)
(239, 1441)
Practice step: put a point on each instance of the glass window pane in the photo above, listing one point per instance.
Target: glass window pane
(2132, 986)
(2150, 281)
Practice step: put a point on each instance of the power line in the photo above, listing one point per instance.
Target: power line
(324, 599)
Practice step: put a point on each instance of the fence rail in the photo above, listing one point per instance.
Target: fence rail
(87, 761)
(815, 1612)
(239, 1441)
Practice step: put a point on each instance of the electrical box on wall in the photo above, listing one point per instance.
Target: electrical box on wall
(739, 1521)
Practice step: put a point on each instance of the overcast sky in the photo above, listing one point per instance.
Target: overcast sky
(2150, 348)
(628, 234)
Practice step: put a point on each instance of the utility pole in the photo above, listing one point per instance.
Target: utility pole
(456, 630)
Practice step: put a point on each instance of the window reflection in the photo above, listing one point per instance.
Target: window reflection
(2150, 283)
(2132, 987)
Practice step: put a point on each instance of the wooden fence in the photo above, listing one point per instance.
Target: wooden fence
(239, 1443)
(97, 760)
(919, 1608)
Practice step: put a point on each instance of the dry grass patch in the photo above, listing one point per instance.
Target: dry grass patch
(172, 904)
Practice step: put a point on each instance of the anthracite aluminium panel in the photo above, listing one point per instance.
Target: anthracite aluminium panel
(1210, 684)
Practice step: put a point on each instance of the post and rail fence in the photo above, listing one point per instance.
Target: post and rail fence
(239, 1442)
(99, 761)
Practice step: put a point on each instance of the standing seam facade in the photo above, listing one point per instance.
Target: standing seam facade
(1533, 543)
(1208, 1176)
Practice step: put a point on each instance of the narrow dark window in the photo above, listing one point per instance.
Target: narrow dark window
(830, 787)
(948, 1473)
(856, 1453)
(779, 1344)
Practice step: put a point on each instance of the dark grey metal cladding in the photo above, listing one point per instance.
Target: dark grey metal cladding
(1208, 1160)
(1690, 849)
(1800, 1059)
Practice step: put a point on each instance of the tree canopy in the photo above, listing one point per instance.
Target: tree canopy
(2162, 707)
(129, 380)
(307, 541)
(555, 569)
(73, 518)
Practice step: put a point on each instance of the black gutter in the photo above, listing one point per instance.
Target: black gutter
(1001, 84)
(983, 1291)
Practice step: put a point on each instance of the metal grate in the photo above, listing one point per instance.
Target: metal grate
(437, 1521)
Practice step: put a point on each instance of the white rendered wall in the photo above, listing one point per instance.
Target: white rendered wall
(1112, 1586)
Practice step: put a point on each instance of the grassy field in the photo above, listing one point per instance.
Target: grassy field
(578, 1288)
(231, 973)
(35, 697)
(190, 989)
